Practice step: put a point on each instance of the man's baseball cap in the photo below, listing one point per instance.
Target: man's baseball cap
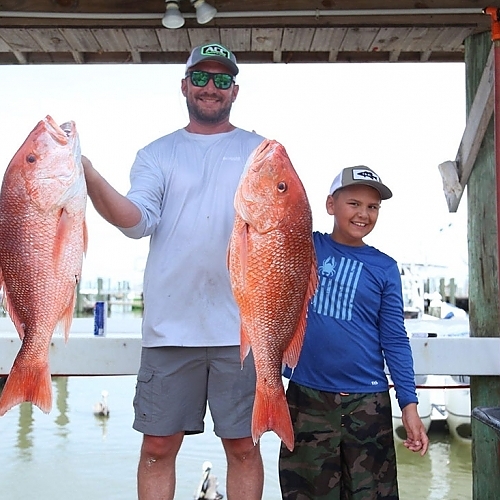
(213, 52)
(360, 175)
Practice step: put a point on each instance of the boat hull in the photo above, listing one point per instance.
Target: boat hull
(458, 408)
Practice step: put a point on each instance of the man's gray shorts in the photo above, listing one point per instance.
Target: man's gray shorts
(175, 383)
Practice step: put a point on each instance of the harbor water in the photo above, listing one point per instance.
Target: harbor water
(72, 454)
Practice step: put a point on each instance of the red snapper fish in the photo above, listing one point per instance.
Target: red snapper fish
(43, 237)
(272, 265)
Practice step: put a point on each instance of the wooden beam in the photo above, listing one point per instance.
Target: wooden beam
(78, 57)
(477, 124)
(136, 57)
(21, 58)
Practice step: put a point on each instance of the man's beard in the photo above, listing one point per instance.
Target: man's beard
(211, 117)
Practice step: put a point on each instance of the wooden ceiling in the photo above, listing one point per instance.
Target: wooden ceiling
(114, 31)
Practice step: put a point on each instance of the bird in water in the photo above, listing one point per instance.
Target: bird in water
(207, 489)
(101, 408)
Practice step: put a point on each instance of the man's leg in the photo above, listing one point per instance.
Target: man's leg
(164, 411)
(231, 392)
(156, 471)
(245, 471)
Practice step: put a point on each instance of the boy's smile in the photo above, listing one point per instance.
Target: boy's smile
(355, 209)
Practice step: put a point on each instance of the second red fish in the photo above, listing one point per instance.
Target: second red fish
(272, 265)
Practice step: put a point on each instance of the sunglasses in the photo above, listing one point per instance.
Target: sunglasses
(201, 78)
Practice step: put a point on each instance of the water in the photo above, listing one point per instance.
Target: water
(71, 454)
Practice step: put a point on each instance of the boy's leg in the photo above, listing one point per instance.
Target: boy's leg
(368, 450)
(312, 470)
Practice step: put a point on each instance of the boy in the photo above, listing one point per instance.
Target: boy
(338, 394)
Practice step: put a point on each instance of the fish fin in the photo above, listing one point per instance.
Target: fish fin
(244, 344)
(240, 229)
(63, 227)
(9, 308)
(228, 255)
(292, 352)
(11, 311)
(242, 232)
(27, 382)
(67, 316)
(240, 263)
(313, 278)
(243, 237)
(271, 413)
(85, 237)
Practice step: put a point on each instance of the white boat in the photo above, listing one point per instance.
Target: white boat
(424, 409)
(458, 407)
(441, 397)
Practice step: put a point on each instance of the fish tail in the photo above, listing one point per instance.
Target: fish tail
(271, 413)
(27, 383)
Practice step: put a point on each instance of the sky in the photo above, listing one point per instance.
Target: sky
(402, 120)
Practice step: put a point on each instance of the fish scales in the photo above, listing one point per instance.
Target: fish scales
(43, 237)
(272, 266)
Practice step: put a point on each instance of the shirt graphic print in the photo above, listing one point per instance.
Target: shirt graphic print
(338, 281)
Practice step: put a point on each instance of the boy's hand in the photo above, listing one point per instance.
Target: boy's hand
(417, 439)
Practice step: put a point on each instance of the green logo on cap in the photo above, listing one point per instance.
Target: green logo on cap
(215, 50)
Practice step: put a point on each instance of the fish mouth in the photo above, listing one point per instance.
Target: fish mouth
(68, 128)
(61, 134)
(256, 160)
(266, 149)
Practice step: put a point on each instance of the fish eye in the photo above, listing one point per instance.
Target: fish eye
(31, 158)
(282, 187)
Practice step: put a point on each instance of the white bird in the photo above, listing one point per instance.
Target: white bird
(101, 408)
(207, 489)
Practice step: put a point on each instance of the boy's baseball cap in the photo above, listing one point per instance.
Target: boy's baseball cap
(213, 52)
(360, 175)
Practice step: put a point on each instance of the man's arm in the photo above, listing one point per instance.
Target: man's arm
(109, 203)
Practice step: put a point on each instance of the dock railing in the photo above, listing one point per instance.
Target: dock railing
(118, 353)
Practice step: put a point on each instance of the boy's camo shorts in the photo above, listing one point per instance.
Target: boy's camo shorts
(344, 447)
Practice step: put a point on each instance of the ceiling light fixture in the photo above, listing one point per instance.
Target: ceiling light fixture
(204, 11)
(173, 17)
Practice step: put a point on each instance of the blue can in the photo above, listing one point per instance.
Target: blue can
(100, 313)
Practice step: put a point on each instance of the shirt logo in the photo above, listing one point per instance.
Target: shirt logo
(364, 174)
(328, 267)
(337, 288)
(215, 50)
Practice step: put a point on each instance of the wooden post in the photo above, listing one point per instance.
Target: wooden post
(483, 278)
(79, 300)
(442, 289)
(100, 295)
(452, 291)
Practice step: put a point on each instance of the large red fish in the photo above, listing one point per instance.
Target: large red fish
(43, 237)
(272, 264)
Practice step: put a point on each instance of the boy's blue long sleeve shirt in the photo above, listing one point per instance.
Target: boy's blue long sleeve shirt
(355, 322)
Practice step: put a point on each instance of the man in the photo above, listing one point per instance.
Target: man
(182, 190)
